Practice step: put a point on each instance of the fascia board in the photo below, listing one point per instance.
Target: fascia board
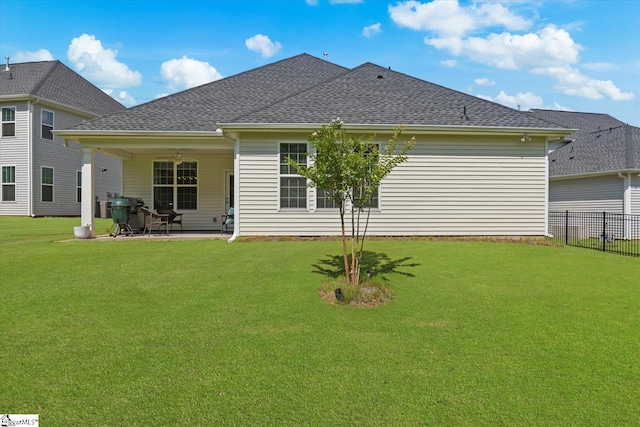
(129, 134)
(420, 129)
(47, 102)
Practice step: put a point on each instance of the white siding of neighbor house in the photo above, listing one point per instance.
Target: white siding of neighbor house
(53, 154)
(14, 151)
(590, 194)
(635, 194)
(138, 182)
(462, 186)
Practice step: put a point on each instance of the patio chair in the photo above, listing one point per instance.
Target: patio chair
(227, 219)
(174, 217)
(153, 219)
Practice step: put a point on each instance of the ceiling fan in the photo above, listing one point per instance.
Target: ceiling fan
(176, 158)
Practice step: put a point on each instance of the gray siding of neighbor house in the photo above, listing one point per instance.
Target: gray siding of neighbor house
(14, 151)
(591, 194)
(66, 163)
(449, 186)
(138, 179)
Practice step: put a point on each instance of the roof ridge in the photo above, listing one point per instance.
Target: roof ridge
(301, 91)
(629, 152)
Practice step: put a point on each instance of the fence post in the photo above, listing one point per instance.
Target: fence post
(566, 227)
(604, 232)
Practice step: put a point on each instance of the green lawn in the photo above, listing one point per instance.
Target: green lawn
(210, 333)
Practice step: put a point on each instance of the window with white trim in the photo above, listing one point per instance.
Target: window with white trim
(293, 187)
(8, 121)
(374, 149)
(47, 124)
(175, 185)
(324, 200)
(79, 186)
(8, 183)
(46, 181)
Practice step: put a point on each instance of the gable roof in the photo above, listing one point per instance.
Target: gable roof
(200, 109)
(602, 144)
(55, 82)
(370, 94)
(305, 90)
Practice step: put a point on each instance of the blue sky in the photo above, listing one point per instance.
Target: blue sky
(581, 55)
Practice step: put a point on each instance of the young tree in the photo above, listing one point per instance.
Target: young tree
(349, 169)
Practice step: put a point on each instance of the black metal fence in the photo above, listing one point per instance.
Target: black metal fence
(609, 232)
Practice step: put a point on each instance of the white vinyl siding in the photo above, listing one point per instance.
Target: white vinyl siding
(14, 151)
(449, 186)
(635, 194)
(590, 194)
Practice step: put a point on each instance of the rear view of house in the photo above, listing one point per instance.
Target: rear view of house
(40, 175)
(477, 168)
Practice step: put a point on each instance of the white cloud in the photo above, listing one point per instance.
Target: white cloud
(447, 18)
(38, 55)
(449, 63)
(484, 82)
(344, 1)
(598, 66)
(263, 45)
(550, 52)
(519, 101)
(99, 64)
(549, 47)
(312, 2)
(185, 73)
(372, 30)
(123, 97)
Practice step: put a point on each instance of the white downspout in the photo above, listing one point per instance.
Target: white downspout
(30, 160)
(546, 187)
(626, 203)
(236, 189)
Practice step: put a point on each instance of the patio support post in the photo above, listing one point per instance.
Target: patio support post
(88, 189)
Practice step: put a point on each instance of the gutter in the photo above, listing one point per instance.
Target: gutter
(303, 127)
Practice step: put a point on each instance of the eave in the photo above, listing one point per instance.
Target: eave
(414, 129)
(47, 102)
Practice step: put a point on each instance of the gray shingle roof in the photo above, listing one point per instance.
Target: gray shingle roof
(55, 82)
(370, 94)
(602, 144)
(203, 107)
(307, 90)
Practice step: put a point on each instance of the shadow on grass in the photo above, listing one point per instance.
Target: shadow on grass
(375, 263)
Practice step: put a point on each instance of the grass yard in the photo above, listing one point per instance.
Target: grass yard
(210, 333)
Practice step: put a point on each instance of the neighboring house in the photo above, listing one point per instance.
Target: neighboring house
(40, 176)
(477, 168)
(597, 168)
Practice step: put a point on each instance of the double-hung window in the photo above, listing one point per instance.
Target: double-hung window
(293, 187)
(8, 183)
(374, 202)
(46, 181)
(175, 185)
(8, 121)
(324, 200)
(47, 124)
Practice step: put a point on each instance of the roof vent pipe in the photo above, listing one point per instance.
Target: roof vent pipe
(6, 67)
(325, 55)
